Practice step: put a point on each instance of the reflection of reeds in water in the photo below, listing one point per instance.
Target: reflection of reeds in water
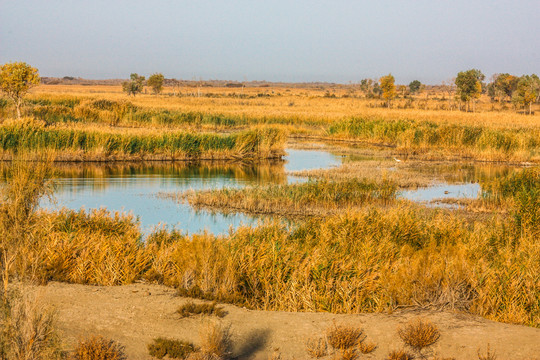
(99, 176)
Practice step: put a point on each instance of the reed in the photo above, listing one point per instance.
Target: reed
(480, 142)
(308, 198)
(70, 144)
(361, 260)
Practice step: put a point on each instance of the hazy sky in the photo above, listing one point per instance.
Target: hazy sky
(274, 40)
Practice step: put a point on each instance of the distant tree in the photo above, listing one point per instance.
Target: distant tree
(469, 86)
(155, 81)
(502, 86)
(527, 91)
(16, 79)
(388, 88)
(414, 86)
(134, 86)
(402, 89)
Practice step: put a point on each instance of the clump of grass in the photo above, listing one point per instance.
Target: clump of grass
(317, 347)
(489, 355)
(216, 340)
(173, 349)
(367, 347)
(400, 354)
(99, 348)
(419, 334)
(342, 337)
(190, 308)
(27, 330)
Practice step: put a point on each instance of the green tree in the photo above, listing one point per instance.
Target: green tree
(469, 86)
(414, 86)
(503, 85)
(134, 86)
(388, 88)
(527, 91)
(16, 79)
(155, 81)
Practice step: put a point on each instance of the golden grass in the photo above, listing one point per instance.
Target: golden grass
(310, 198)
(173, 349)
(98, 348)
(190, 309)
(306, 104)
(316, 347)
(419, 334)
(341, 337)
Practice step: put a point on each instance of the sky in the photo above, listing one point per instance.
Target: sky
(274, 40)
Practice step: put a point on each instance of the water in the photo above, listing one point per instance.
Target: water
(135, 188)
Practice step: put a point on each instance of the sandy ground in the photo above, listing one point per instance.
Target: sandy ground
(135, 314)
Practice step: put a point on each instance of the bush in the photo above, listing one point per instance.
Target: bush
(99, 348)
(174, 349)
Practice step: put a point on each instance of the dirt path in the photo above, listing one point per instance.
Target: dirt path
(135, 314)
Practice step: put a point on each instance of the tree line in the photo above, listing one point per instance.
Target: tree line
(18, 77)
(522, 91)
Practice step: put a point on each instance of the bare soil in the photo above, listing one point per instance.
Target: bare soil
(135, 314)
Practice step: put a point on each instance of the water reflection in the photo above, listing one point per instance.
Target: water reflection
(133, 187)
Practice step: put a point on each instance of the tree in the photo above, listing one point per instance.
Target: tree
(388, 88)
(527, 91)
(469, 85)
(16, 79)
(414, 86)
(155, 81)
(134, 85)
(503, 85)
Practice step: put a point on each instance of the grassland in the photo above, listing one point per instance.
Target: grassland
(423, 126)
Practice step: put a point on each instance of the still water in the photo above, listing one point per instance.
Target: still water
(134, 188)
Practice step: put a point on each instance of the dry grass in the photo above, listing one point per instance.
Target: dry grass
(488, 355)
(99, 348)
(401, 354)
(309, 198)
(316, 347)
(367, 347)
(216, 340)
(343, 337)
(27, 329)
(419, 334)
(173, 349)
(190, 309)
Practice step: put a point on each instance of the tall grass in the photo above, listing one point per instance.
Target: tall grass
(466, 140)
(358, 261)
(71, 144)
(309, 198)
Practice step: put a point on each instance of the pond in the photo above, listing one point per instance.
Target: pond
(135, 187)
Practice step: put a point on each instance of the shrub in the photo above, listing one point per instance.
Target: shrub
(216, 340)
(342, 337)
(419, 334)
(191, 308)
(174, 349)
(400, 355)
(99, 348)
(317, 347)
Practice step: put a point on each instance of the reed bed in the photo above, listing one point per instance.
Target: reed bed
(360, 261)
(308, 198)
(69, 144)
(486, 135)
(465, 141)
